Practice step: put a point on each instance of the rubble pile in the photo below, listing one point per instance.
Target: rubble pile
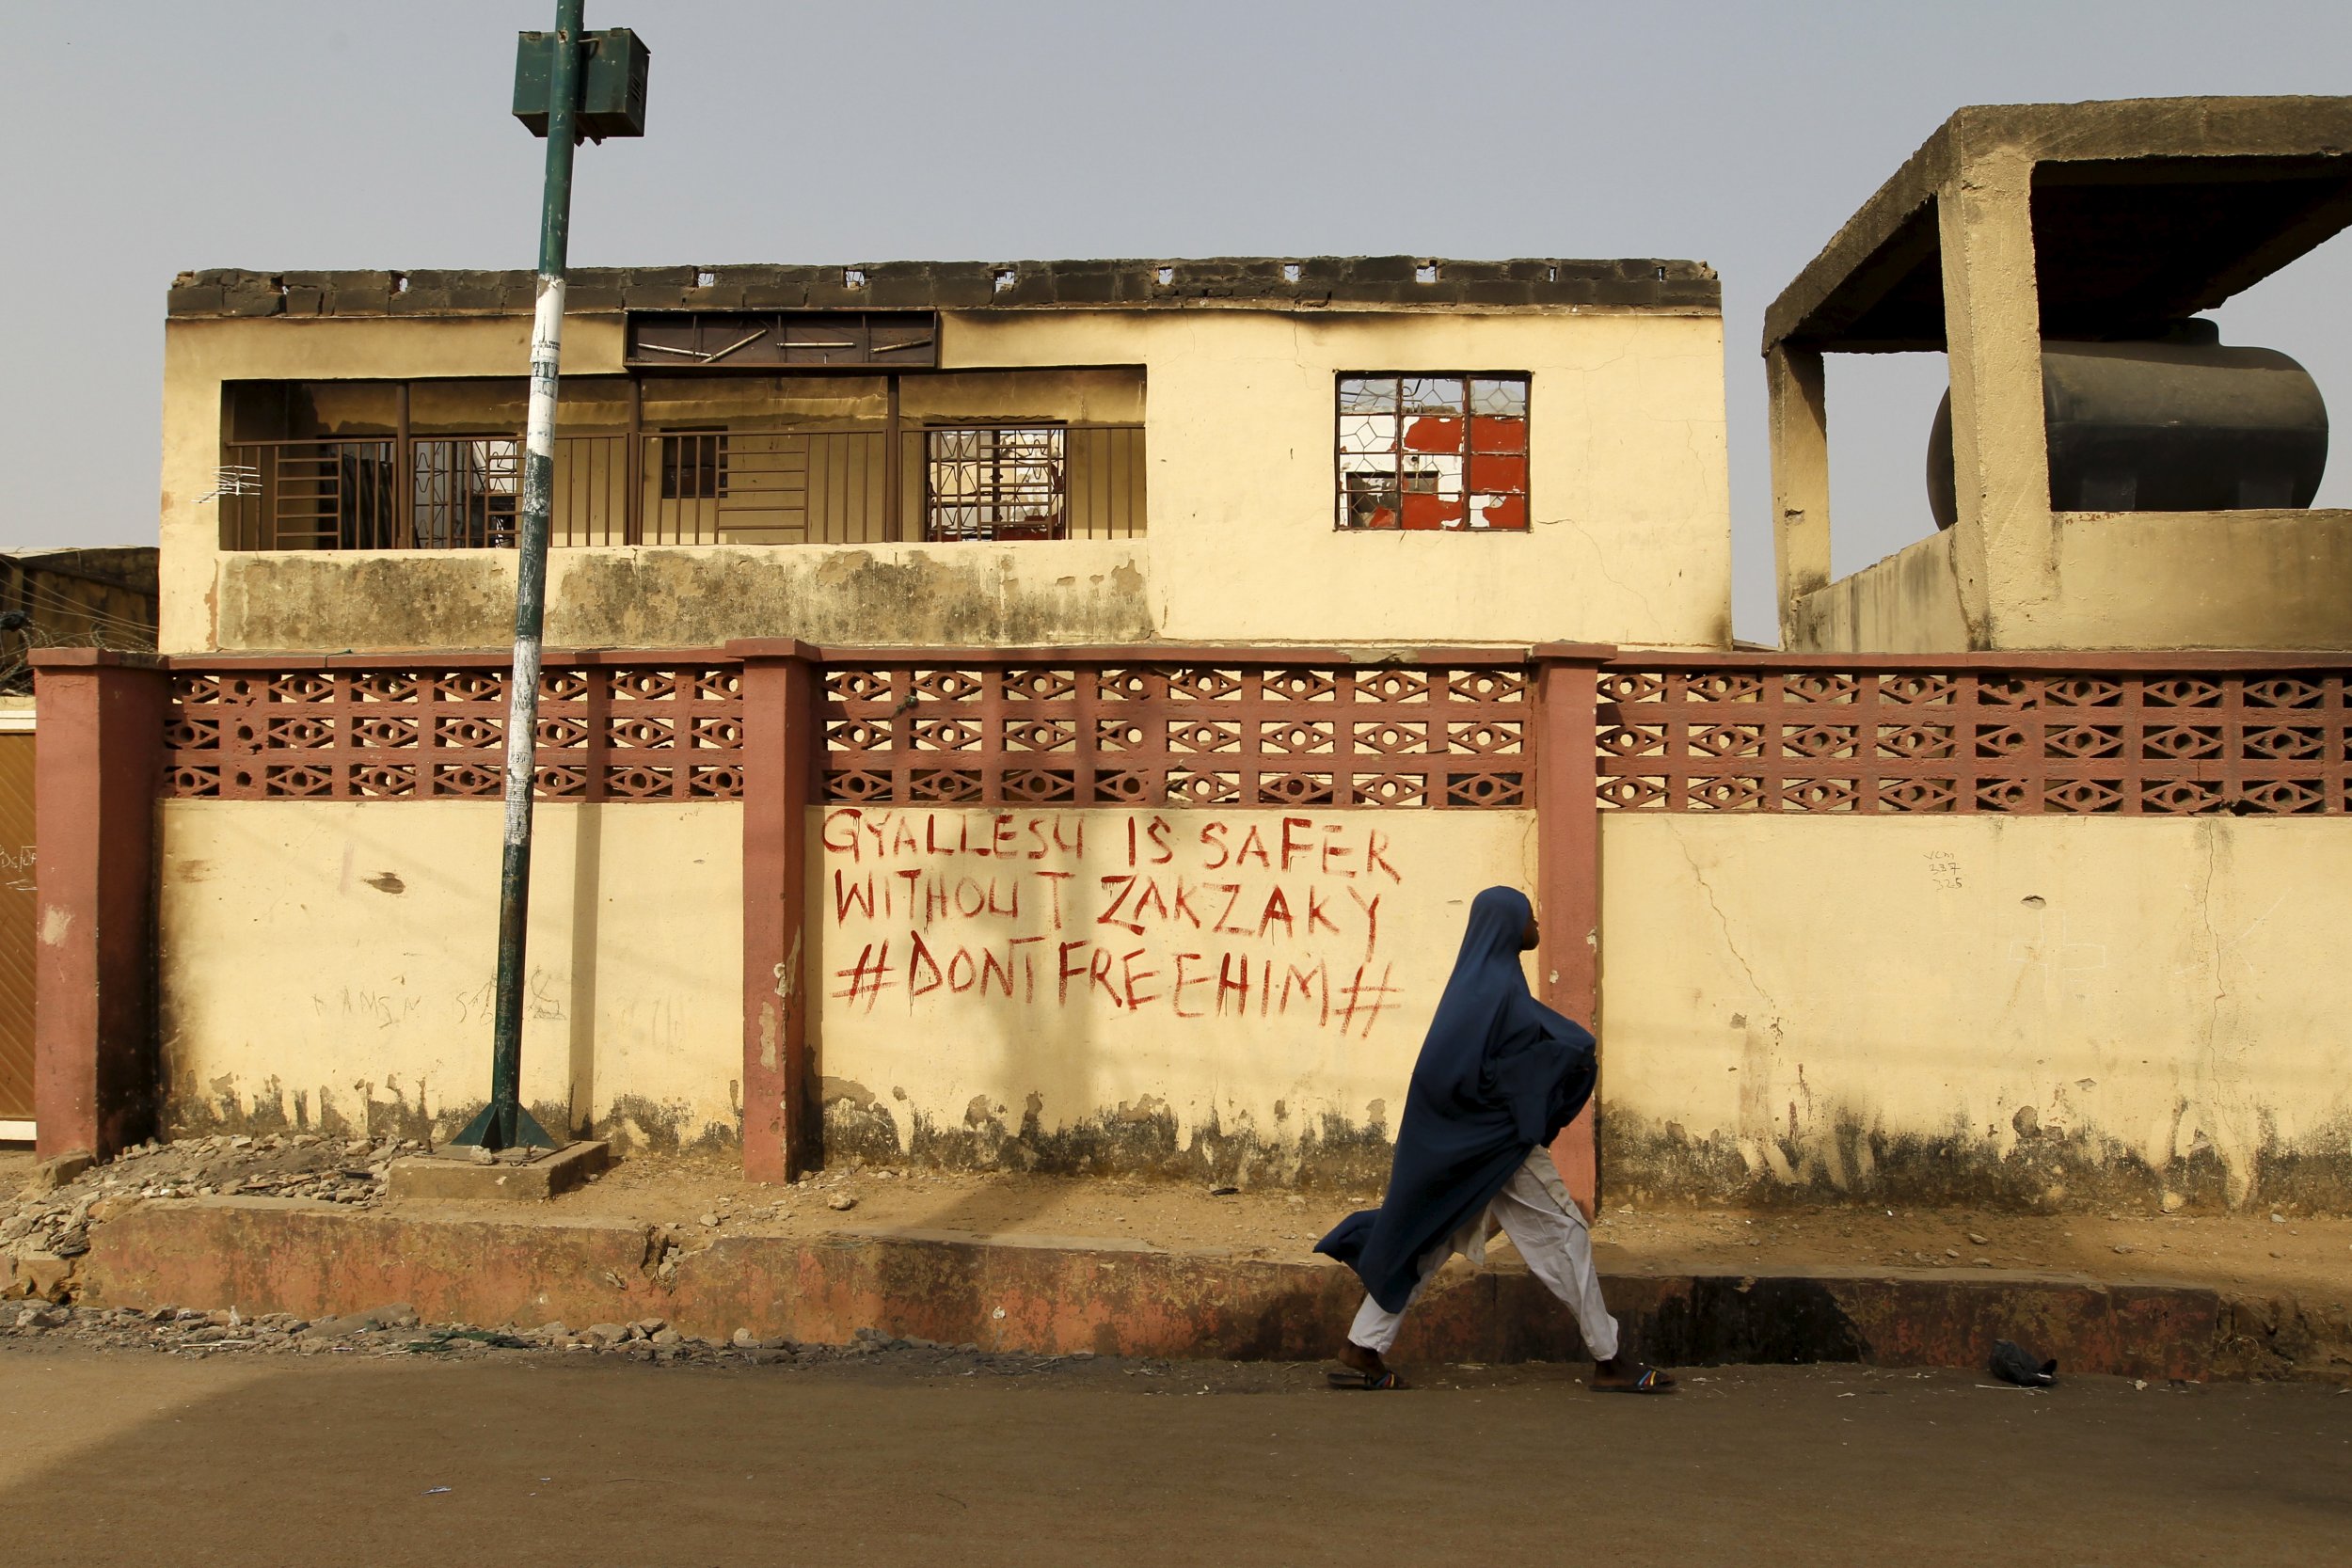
(45, 1227)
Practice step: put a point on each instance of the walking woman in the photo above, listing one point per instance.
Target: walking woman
(1498, 1075)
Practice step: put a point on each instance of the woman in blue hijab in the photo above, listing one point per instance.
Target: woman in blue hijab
(1499, 1076)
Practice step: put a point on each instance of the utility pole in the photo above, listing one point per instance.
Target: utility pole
(611, 69)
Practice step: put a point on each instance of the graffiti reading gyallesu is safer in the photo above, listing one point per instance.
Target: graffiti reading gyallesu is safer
(1196, 917)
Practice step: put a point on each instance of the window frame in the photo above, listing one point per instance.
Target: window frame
(671, 482)
(1059, 527)
(1468, 454)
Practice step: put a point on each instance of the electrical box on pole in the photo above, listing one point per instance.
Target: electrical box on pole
(612, 69)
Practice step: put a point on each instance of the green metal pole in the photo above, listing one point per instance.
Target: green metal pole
(503, 1123)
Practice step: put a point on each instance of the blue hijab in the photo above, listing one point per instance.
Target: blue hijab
(1499, 1073)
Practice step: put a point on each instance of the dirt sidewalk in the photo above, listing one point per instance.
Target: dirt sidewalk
(2243, 1254)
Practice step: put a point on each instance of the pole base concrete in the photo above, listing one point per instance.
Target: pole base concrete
(462, 1174)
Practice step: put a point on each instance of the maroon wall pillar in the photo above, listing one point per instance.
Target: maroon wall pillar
(98, 772)
(783, 742)
(1568, 879)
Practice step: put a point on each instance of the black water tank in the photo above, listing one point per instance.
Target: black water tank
(2179, 423)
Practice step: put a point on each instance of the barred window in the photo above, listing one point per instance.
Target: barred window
(994, 482)
(694, 465)
(468, 491)
(1433, 449)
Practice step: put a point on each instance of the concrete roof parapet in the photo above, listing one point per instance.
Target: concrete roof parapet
(1274, 282)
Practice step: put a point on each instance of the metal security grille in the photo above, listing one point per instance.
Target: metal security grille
(694, 465)
(745, 485)
(466, 491)
(995, 482)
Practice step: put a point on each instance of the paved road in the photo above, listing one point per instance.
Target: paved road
(141, 1458)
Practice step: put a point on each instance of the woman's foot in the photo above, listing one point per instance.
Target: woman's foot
(1623, 1374)
(1365, 1370)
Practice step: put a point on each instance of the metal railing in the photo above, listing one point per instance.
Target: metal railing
(732, 486)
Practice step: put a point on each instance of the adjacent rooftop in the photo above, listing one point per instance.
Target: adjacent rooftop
(2144, 211)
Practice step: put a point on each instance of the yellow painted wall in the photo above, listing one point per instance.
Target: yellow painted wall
(1026, 987)
(1630, 542)
(335, 959)
(2124, 581)
(1980, 1011)
(1909, 603)
(2222, 579)
(1976, 1009)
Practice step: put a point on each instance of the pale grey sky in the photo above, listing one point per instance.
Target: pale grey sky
(143, 139)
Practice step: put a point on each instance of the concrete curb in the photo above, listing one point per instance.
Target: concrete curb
(1058, 1295)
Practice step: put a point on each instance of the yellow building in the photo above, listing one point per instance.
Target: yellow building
(914, 453)
(1275, 535)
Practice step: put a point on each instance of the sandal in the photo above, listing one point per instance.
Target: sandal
(1650, 1381)
(1379, 1382)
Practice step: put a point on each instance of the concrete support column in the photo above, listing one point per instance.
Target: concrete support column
(782, 748)
(1799, 434)
(1567, 871)
(2005, 543)
(98, 774)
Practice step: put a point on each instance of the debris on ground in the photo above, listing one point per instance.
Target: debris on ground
(45, 1227)
(2013, 1364)
(394, 1330)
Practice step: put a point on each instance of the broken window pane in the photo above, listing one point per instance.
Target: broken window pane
(1505, 395)
(1367, 501)
(1433, 394)
(1505, 512)
(1437, 450)
(1437, 475)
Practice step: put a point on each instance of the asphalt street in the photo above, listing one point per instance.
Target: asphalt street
(901, 1458)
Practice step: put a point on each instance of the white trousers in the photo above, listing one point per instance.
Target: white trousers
(1545, 1224)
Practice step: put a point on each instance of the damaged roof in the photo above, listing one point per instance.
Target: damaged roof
(1642, 284)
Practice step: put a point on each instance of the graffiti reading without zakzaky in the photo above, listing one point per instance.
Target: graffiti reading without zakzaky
(1200, 918)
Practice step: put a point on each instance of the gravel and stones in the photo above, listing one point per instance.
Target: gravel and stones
(394, 1330)
(45, 1225)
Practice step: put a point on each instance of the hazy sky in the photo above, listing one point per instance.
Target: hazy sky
(143, 139)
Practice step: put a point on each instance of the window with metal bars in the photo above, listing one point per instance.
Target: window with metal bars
(1438, 450)
(694, 465)
(994, 482)
(465, 491)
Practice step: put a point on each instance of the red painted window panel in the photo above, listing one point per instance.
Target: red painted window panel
(1431, 511)
(1433, 435)
(1493, 471)
(1490, 434)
